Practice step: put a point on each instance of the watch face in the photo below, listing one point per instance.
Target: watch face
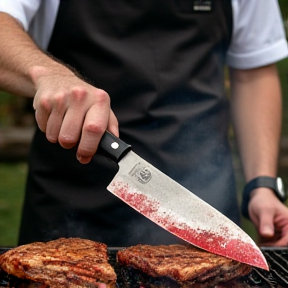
(280, 187)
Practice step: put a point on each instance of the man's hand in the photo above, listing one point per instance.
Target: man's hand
(270, 217)
(71, 111)
(68, 110)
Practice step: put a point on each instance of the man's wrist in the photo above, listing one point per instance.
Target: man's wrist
(275, 184)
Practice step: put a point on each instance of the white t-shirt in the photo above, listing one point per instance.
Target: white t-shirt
(258, 32)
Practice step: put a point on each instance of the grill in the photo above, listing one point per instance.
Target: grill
(277, 277)
(277, 259)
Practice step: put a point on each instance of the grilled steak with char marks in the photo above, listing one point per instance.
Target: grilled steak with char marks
(177, 266)
(65, 262)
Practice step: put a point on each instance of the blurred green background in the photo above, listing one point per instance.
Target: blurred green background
(16, 129)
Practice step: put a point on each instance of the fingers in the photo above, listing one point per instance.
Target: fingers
(93, 129)
(279, 239)
(55, 119)
(283, 241)
(80, 100)
(75, 116)
(42, 111)
(266, 226)
(270, 217)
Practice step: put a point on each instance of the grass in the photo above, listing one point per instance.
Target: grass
(12, 184)
(283, 73)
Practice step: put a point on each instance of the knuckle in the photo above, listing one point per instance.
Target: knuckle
(85, 152)
(67, 141)
(60, 99)
(79, 93)
(93, 128)
(102, 97)
(51, 138)
(85, 147)
(45, 103)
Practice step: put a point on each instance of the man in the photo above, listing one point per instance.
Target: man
(160, 65)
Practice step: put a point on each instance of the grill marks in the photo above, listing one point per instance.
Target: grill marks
(185, 264)
(66, 262)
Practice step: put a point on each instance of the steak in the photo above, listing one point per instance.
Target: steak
(65, 262)
(177, 266)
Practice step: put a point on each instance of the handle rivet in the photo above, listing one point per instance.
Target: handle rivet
(115, 145)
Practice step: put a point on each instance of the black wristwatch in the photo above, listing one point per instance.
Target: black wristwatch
(276, 184)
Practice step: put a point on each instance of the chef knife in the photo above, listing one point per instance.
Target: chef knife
(175, 208)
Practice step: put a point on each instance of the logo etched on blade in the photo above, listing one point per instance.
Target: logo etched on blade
(141, 173)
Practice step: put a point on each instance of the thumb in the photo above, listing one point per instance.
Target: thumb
(266, 225)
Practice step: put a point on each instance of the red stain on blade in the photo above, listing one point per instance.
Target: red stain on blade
(138, 201)
(218, 244)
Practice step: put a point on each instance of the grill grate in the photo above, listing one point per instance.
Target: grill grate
(277, 259)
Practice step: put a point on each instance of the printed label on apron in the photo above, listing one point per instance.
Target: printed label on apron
(202, 5)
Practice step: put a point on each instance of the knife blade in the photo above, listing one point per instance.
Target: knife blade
(174, 208)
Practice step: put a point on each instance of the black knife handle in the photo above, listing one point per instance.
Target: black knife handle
(112, 147)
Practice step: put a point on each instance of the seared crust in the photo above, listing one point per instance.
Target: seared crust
(65, 262)
(182, 263)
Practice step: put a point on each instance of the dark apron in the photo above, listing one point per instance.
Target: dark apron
(162, 64)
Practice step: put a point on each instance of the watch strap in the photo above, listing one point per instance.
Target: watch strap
(262, 181)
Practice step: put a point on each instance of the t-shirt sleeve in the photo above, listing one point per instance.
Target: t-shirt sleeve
(258, 37)
(36, 16)
(22, 10)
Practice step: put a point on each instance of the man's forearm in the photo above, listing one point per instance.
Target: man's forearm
(19, 56)
(69, 110)
(256, 113)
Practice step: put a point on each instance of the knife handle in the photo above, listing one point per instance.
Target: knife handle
(112, 147)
